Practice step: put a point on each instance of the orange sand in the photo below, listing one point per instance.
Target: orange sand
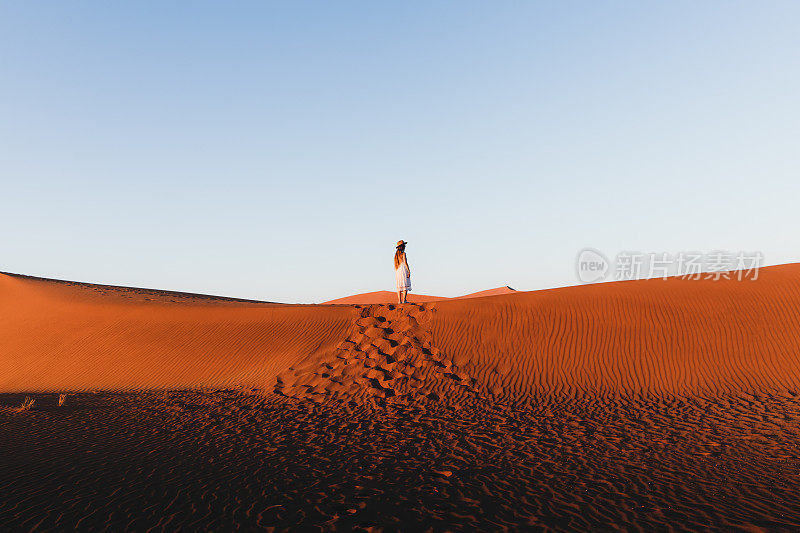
(649, 405)
(671, 336)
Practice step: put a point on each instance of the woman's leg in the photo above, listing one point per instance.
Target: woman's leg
(405, 297)
(399, 297)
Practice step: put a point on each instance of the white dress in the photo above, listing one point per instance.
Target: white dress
(401, 274)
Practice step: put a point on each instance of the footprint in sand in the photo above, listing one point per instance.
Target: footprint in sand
(387, 353)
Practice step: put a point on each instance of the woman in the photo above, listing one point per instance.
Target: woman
(401, 272)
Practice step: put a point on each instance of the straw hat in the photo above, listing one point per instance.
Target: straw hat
(400, 243)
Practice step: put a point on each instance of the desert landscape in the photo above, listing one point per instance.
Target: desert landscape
(640, 405)
(399, 266)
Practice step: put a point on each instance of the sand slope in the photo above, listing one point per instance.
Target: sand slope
(671, 336)
(56, 336)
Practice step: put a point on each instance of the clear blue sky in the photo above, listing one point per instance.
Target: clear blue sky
(279, 150)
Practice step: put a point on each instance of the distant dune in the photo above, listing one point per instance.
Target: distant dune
(668, 336)
(388, 297)
(489, 292)
(381, 297)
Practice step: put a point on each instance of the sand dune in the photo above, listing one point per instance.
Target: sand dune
(381, 297)
(61, 336)
(489, 292)
(672, 336)
(666, 336)
(388, 297)
(648, 405)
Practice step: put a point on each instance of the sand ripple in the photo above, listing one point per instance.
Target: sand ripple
(226, 459)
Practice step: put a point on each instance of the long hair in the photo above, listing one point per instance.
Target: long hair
(398, 255)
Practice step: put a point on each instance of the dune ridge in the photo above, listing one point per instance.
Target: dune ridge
(650, 336)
